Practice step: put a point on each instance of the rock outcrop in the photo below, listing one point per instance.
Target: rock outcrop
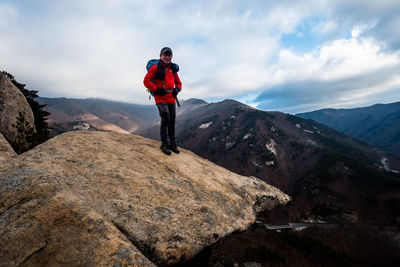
(111, 199)
(12, 103)
(6, 151)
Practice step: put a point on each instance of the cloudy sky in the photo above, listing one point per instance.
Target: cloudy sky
(291, 56)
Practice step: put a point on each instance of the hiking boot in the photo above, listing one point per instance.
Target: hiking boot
(174, 149)
(165, 149)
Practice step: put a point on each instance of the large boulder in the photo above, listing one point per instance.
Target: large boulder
(6, 151)
(101, 198)
(12, 103)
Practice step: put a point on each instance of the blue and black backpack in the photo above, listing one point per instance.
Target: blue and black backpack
(160, 75)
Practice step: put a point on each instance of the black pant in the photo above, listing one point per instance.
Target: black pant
(167, 129)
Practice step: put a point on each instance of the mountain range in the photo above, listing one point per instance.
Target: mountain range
(67, 114)
(378, 125)
(330, 176)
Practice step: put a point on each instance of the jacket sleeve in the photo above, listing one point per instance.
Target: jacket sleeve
(149, 76)
(178, 82)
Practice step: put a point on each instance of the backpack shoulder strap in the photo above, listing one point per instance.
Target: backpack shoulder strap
(160, 74)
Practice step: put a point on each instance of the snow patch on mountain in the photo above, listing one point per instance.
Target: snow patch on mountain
(255, 163)
(82, 126)
(386, 166)
(246, 136)
(270, 163)
(271, 146)
(311, 142)
(229, 145)
(205, 125)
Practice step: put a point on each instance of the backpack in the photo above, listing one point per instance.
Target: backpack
(160, 75)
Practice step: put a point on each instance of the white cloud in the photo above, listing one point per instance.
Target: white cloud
(325, 27)
(336, 60)
(340, 59)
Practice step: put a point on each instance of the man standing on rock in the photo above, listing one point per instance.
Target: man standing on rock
(164, 84)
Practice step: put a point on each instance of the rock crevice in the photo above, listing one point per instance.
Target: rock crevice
(36, 251)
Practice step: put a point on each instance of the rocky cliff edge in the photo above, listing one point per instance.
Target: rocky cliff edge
(111, 199)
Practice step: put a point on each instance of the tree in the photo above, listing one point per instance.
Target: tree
(40, 115)
(25, 135)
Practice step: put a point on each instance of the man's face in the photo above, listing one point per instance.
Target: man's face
(166, 57)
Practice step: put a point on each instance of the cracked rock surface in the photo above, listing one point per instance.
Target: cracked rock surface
(109, 199)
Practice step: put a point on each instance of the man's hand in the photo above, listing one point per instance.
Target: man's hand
(175, 91)
(159, 91)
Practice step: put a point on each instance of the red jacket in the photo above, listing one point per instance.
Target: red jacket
(171, 80)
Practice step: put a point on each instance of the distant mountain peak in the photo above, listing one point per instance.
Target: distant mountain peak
(195, 101)
(378, 125)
